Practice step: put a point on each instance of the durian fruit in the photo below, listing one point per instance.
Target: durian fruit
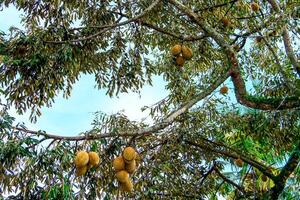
(264, 178)
(258, 39)
(225, 21)
(119, 163)
(93, 159)
(186, 52)
(176, 50)
(239, 162)
(128, 154)
(224, 90)
(126, 186)
(180, 61)
(254, 7)
(81, 170)
(122, 176)
(130, 167)
(81, 159)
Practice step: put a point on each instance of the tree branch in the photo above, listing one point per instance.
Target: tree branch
(163, 31)
(144, 131)
(259, 166)
(240, 188)
(286, 171)
(215, 6)
(242, 97)
(180, 37)
(109, 27)
(286, 40)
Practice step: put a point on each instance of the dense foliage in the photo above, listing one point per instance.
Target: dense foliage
(198, 133)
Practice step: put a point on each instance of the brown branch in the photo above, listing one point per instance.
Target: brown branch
(254, 163)
(180, 37)
(286, 171)
(216, 6)
(144, 131)
(239, 84)
(286, 40)
(109, 27)
(163, 31)
(240, 188)
(207, 174)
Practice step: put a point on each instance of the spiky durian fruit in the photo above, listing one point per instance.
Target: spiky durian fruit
(258, 39)
(122, 176)
(119, 163)
(176, 49)
(180, 61)
(129, 154)
(186, 52)
(130, 167)
(254, 7)
(225, 21)
(81, 170)
(239, 162)
(264, 178)
(81, 159)
(126, 186)
(93, 159)
(224, 90)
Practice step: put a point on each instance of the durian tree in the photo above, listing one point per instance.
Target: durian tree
(229, 126)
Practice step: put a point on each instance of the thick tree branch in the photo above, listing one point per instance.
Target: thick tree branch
(169, 119)
(243, 98)
(286, 40)
(286, 171)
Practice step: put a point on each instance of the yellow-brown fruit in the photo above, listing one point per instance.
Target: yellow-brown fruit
(225, 21)
(176, 49)
(127, 186)
(93, 159)
(129, 154)
(130, 167)
(224, 90)
(238, 162)
(122, 176)
(81, 170)
(186, 52)
(254, 7)
(81, 159)
(119, 163)
(180, 61)
(264, 178)
(258, 39)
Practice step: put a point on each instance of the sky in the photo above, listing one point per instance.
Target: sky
(75, 114)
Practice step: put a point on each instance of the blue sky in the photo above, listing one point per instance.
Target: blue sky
(75, 114)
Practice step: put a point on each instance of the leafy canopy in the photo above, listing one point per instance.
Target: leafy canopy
(197, 133)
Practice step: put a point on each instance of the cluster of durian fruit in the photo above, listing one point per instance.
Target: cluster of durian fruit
(181, 53)
(124, 165)
(85, 161)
